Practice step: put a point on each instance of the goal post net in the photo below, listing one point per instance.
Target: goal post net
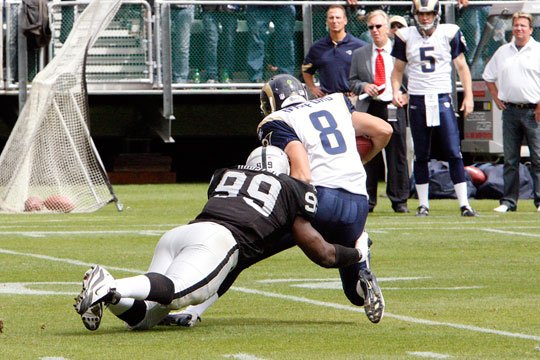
(50, 162)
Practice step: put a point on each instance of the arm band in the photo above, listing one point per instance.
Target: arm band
(346, 256)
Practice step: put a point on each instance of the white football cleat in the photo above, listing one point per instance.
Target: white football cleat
(98, 287)
(91, 318)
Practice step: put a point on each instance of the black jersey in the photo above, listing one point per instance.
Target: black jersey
(256, 206)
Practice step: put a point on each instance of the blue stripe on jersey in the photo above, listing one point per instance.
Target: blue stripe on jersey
(457, 45)
(277, 133)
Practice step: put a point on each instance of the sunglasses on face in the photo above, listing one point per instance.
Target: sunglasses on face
(397, 26)
(378, 26)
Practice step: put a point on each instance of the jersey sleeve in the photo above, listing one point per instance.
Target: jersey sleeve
(302, 194)
(457, 44)
(276, 132)
(399, 50)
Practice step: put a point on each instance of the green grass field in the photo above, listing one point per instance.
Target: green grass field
(455, 288)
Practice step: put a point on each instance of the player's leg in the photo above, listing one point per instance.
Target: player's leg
(449, 140)
(193, 313)
(341, 218)
(188, 266)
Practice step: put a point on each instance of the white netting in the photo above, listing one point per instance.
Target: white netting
(50, 162)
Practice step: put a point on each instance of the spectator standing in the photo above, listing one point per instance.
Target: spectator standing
(213, 16)
(513, 79)
(331, 56)
(371, 67)
(181, 20)
(396, 22)
(258, 18)
(428, 51)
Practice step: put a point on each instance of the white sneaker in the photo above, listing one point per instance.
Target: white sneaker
(501, 209)
(538, 208)
(97, 284)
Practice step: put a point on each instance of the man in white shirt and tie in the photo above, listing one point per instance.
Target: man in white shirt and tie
(371, 68)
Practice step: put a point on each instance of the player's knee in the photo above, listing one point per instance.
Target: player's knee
(161, 288)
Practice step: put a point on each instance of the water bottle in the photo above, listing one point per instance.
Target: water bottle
(196, 76)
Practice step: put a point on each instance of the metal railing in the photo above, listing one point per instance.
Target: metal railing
(130, 55)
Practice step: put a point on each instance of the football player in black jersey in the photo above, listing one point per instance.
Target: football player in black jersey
(249, 206)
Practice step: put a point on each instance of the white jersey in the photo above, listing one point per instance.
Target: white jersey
(324, 127)
(429, 59)
(516, 72)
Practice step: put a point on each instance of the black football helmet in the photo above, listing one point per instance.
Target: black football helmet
(281, 91)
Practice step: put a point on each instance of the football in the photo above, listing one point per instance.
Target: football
(478, 177)
(33, 203)
(363, 145)
(59, 203)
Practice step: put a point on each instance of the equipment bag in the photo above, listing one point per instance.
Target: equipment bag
(35, 22)
(493, 188)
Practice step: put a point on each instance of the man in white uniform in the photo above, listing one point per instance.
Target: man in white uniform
(427, 52)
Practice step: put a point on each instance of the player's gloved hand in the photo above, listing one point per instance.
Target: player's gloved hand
(362, 244)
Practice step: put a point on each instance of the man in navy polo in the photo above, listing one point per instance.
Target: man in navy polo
(331, 56)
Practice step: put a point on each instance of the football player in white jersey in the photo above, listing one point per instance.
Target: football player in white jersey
(319, 138)
(249, 206)
(427, 51)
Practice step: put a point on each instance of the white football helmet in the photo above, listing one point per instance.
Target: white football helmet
(426, 6)
(269, 158)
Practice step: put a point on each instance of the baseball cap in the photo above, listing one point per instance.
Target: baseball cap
(398, 19)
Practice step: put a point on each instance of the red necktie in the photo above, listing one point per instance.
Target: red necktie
(380, 74)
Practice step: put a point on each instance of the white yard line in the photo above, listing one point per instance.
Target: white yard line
(409, 319)
(428, 355)
(498, 231)
(386, 314)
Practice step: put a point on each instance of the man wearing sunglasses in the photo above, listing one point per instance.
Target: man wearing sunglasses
(371, 68)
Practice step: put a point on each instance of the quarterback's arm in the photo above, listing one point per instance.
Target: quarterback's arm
(378, 130)
(467, 106)
(299, 161)
(318, 250)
